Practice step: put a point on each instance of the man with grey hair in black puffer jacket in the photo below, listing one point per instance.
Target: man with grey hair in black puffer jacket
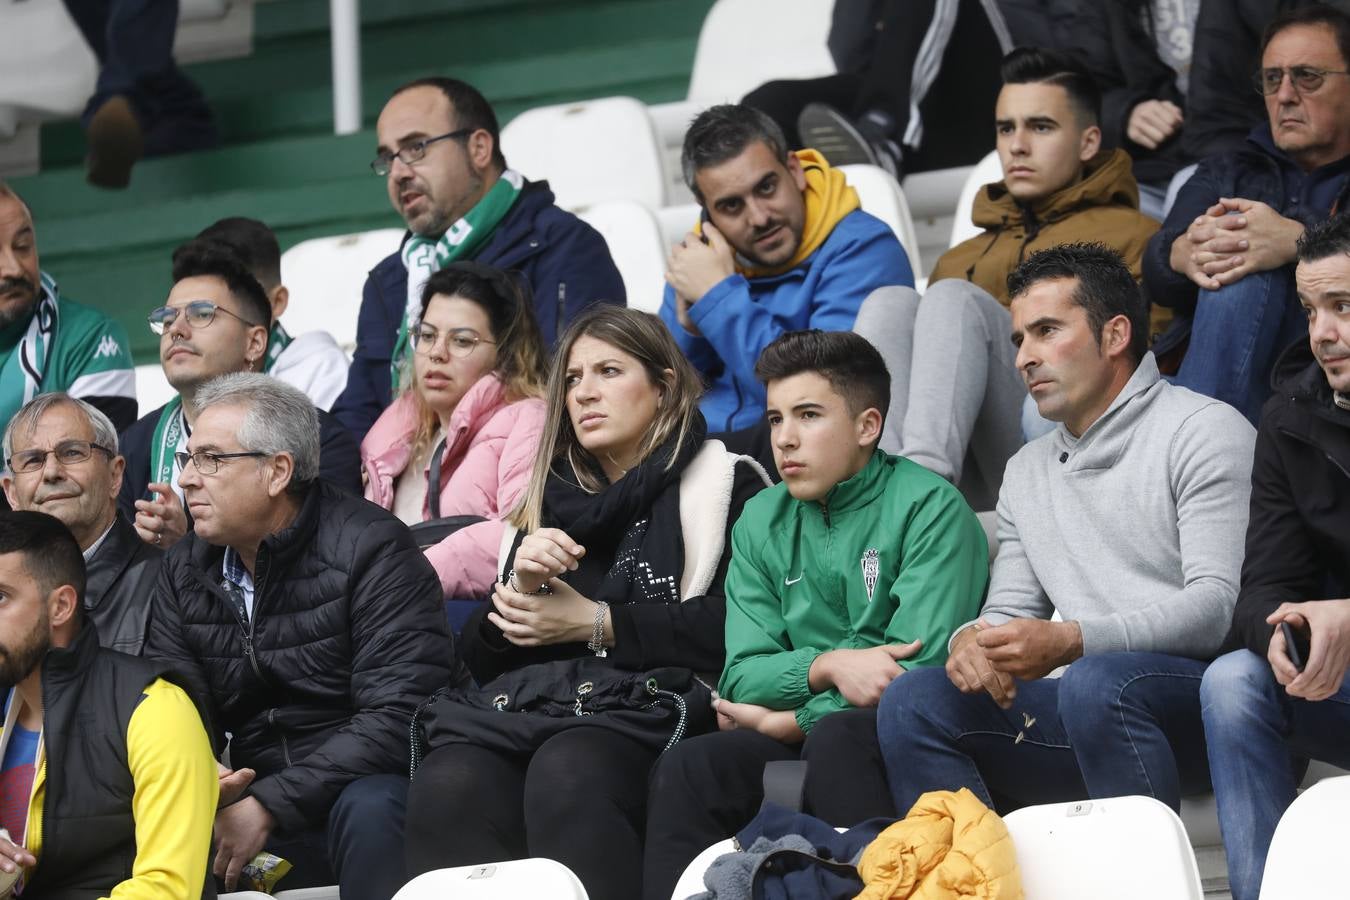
(310, 626)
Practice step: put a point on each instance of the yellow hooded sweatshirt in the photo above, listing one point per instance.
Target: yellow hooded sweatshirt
(949, 846)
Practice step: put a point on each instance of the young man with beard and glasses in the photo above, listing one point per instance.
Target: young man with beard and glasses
(783, 245)
(1224, 259)
(956, 397)
(1265, 714)
(50, 343)
(1127, 520)
(107, 783)
(850, 574)
(312, 361)
(63, 460)
(441, 158)
(216, 320)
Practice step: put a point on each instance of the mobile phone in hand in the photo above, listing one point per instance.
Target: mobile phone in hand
(1297, 645)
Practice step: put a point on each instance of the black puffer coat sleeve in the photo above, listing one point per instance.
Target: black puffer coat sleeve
(166, 641)
(401, 651)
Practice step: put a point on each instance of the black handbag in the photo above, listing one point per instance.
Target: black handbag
(438, 527)
(519, 710)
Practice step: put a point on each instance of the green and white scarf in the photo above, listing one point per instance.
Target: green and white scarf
(169, 432)
(277, 342)
(23, 370)
(423, 257)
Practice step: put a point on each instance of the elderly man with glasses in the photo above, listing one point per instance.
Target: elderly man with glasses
(1224, 259)
(61, 459)
(309, 625)
(216, 320)
(441, 159)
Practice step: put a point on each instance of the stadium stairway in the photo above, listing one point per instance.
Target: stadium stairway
(280, 161)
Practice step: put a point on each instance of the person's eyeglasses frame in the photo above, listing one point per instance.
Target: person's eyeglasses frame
(32, 454)
(159, 327)
(414, 152)
(443, 337)
(1295, 75)
(214, 459)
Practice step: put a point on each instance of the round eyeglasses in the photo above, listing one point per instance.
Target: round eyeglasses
(460, 341)
(1305, 79)
(67, 453)
(199, 313)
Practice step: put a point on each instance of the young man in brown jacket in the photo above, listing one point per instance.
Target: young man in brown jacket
(956, 396)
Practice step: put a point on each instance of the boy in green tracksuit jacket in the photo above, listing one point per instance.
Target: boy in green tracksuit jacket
(857, 567)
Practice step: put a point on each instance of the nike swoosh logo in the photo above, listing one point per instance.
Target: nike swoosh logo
(791, 581)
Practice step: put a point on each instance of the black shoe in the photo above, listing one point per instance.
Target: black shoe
(115, 143)
(844, 142)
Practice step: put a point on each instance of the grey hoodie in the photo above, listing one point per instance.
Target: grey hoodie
(1135, 529)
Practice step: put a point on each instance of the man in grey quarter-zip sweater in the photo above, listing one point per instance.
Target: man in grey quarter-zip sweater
(1127, 520)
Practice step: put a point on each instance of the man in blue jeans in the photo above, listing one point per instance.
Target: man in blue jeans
(1127, 519)
(1224, 258)
(1267, 707)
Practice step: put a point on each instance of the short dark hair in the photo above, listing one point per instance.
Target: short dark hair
(1312, 14)
(1326, 238)
(471, 108)
(253, 242)
(722, 132)
(1036, 65)
(1105, 288)
(847, 360)
(199, 258)
(50, 552)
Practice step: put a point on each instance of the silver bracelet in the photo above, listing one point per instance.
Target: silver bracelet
(511, 583)
(597, 642)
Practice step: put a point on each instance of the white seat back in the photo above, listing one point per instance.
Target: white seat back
(520, 879)
(325, 277)
(691, 882)
(882, 197)
(152, 388)
(47, 70)
(589, 152)
(986, 171)
(730, 63)
(1311, 836)
(636, 246)
(1121, 848)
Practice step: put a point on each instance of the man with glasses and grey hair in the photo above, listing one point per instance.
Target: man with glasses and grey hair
(310, 626)
(440, 157)
(216, 320)
(61, 459)
(1224, 259)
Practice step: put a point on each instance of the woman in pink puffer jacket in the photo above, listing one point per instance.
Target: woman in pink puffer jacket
(476, 380)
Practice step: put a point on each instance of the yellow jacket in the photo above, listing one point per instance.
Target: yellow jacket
(174, 805)
(949, 846)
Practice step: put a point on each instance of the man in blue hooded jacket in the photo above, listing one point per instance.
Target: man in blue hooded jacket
(440, 155)
(783, 246)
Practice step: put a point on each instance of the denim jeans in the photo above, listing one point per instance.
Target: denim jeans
(1114, 724)
(361, 850)
(1237, 333)
(1259, 740)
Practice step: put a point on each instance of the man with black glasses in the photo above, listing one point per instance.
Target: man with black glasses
(61, 458)
(216, 320)
(1224, 259)
(441, 158)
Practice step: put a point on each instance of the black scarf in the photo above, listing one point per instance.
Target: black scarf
(631, 529)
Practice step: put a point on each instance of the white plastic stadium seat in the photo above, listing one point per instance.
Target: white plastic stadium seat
(152, 388)
(1112, 849)
(325, 277)
(727, 66)
(986, 171)
(1312, 835)
(635, 243)
(522, 879)
(691, 882)
(317, 893)
(589, 152)
(47, 70)
(882, 197)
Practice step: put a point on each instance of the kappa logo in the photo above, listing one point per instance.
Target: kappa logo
(871, 569)
(108, 347)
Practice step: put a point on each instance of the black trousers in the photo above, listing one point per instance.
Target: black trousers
(957, 110)
(580, 799)
(707, 788)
